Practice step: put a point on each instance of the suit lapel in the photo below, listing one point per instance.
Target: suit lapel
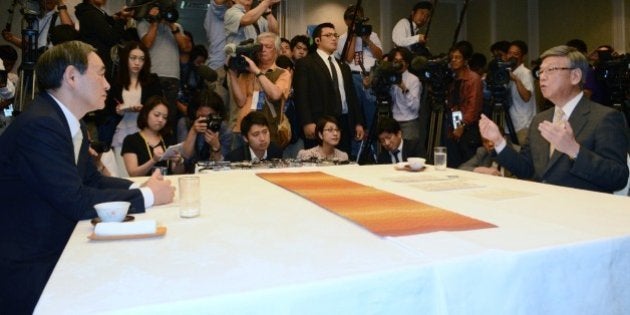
(323, 68)
(577, 120)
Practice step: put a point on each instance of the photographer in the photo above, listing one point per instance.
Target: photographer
(406, 32)
(205, 135)
(45, 22)
(242, 21)
(363, 51)
(262, 87)
(406, 95)
(523, 107)
(165, 38)
(465, 102)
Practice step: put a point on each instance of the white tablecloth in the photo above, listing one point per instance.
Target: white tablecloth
(258, 249)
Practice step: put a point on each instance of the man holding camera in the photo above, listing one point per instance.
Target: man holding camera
(363, 50)
(165, 38)
(46, 21)
(523, 107)
(243, 22)
(406, 32)
(405, 95)
(262, 86)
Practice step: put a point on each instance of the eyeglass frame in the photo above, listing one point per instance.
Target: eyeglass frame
(539, 72)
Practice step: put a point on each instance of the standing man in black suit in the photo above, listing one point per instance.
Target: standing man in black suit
(320, 91)
(577, 143)
(394, 147)
(48, 180)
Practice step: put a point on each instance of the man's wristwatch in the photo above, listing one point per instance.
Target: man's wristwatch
(259, 74)
(175, 31)
(217, 150)
(62, 7)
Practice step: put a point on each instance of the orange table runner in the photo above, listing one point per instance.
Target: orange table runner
(381, 212)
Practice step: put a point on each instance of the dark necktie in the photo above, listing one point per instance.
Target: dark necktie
(395, 154)
(335, 81)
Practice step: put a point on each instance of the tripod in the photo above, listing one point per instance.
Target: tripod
(436, 122)
(500, 115)
(30, 35)
(368, 151)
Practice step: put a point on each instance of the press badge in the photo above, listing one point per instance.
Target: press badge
(457, 118)
(258, 100)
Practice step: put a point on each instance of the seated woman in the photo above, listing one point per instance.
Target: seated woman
(204, 133)
(328, 136)
(143, 150)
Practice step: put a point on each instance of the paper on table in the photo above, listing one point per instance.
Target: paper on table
(446, 185)
(125, 228)
(172, 151)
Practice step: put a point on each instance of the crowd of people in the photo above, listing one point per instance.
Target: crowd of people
(140, 87)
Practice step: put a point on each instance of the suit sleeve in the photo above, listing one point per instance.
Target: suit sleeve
(605, 165)
(47, 155)
(300, 86)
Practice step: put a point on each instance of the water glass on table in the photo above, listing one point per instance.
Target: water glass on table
(189, 201)
(439, 158)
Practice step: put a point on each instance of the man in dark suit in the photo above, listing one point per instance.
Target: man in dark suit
(318, 91)
(257, 137)
(48, 180)
(394, 148)
(578, 143)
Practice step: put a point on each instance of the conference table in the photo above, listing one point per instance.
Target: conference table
(258, 248)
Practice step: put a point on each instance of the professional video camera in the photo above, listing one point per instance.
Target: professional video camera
(384, 74)
(168, 10)
(361, 28)
(436, 73)
(499, 72)
(214, 123)
(614, 71)
(247, 48)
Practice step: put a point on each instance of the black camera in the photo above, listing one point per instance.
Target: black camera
(436, 74)
(246, 48)
(168, 14)
(361, 29)
(168, 10)
(99, 147)
(214, 123)
(499, 72)
(385, 74)
(614, 72)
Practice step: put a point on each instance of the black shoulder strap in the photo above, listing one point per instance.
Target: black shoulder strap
(53, 21)
(411, 26)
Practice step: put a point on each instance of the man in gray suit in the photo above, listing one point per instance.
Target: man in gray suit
(578, 143)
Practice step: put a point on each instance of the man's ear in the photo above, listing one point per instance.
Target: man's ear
(245, 139)
(316, 40)
(70, 75)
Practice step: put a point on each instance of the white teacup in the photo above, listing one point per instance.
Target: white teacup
(416, 163)
(113, 211)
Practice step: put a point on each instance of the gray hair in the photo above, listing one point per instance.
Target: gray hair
(577, 60)
(53, 63)
(272, 36)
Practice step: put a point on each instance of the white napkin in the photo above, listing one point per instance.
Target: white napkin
(125, 228)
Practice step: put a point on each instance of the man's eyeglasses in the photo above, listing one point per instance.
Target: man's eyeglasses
(551, 70)
(335, 35)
